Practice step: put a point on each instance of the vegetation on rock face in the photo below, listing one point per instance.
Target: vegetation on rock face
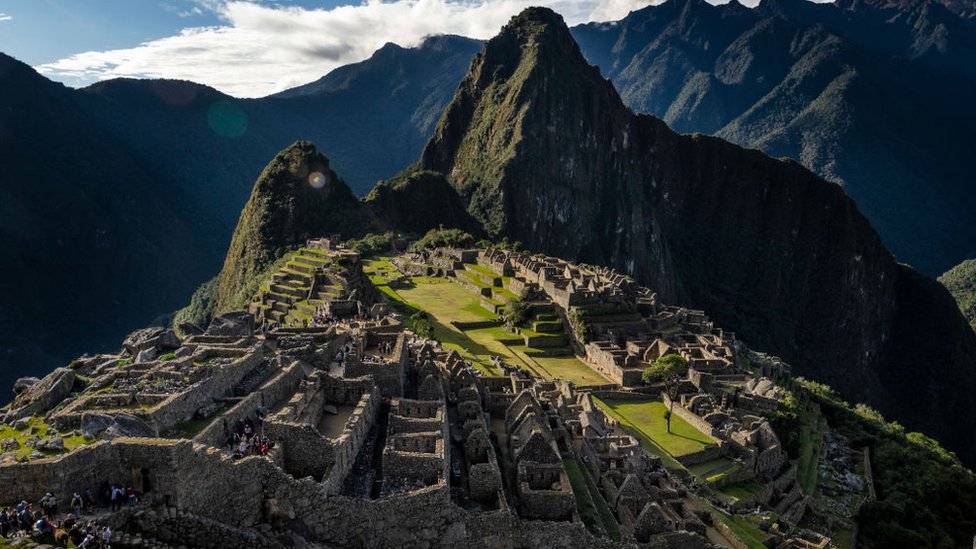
(416, 202)
(925, 496)
(827, 85)
(200, 309)
(961, 282)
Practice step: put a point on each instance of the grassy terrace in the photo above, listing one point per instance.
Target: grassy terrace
(40, 429)
(593, 509)
(446, 302)
(812, 429)
(648, 418)
(744, 529)
(644, 420)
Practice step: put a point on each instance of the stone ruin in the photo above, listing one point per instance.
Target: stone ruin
(384, 439)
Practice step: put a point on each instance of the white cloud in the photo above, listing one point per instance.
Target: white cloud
(5, 17)
(261, 49)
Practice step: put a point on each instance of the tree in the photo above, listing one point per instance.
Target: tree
(670, 370)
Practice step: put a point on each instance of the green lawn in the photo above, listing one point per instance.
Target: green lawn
(445, 300)
(648, 418)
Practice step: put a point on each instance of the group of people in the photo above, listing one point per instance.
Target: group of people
(118, 496)
(42, 527)
(249, 439)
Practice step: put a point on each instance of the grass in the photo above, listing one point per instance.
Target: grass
(603, 509)
(584, 503)
(485, 272)
(812, 429)
(446, 301)
(742, 490)
(192, 428)
(41, 430)
(744, 529)
(713, 470)
(648, 418)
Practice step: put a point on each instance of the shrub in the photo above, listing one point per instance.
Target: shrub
(372, 244)
(444, 238)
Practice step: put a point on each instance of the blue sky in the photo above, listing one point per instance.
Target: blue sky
(42, 31)
(246, 48)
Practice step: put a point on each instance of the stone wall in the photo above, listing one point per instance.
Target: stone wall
(351, 440)
(270, 395)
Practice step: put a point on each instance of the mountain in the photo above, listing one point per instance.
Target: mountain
(872, 95)
(297, 197)
(94, 240)
(118, 199)
(961, 283)
(541, 149)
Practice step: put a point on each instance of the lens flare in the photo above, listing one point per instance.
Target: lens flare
(317, 180)
(227, 119)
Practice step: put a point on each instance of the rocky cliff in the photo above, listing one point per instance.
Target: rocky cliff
(541, 149)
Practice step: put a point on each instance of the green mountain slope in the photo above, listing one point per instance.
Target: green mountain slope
(961, 282)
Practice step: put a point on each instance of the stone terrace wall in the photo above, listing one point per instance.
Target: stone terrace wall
(270, 395)
(184, 406)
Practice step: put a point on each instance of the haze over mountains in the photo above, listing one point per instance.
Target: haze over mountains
(871, 94)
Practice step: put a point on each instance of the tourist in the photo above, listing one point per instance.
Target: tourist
(132, 496)
(6, 522)
(76, 504)
(116, 497)
(107, 538)
(89, 499)
(89, 542)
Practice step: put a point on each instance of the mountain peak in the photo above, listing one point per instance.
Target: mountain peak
(297, 197)
(530, 83)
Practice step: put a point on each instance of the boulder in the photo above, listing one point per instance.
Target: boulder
(23, 384)
(127, 425)
(32, 442)
(92, 424)
(43, 395)
(145, 355)
(160, 339)
(191, 329)
(236, 324)
(22, 424)
(55, 444)
(9, 445)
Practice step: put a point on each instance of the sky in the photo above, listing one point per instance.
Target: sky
(245, 48)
